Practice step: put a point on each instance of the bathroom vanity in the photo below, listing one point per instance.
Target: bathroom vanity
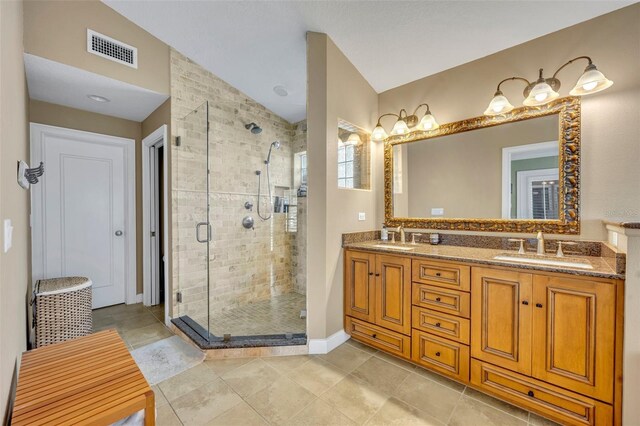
(545, 338)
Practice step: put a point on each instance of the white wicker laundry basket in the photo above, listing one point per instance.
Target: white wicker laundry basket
(61, 309)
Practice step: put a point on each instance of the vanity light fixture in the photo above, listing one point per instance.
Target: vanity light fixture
(405, 124)
(544, 90)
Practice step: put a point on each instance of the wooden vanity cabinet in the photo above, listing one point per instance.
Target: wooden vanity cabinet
(546, 327)
(547, 342)
(378, 289)
(501, 318)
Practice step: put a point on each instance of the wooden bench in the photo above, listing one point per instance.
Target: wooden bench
(92, 380)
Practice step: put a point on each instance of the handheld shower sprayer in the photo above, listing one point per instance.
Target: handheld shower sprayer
(276, 145)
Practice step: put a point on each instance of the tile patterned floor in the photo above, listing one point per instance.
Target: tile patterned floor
(279, 314)
(136, 324)
(352, 385)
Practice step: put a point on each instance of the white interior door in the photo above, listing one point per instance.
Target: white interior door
(82, 210)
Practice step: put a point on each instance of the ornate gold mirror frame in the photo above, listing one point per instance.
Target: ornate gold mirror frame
(568, 110)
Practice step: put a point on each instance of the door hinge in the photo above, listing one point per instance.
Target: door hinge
(178, 141)
(179, 297)
(153, 233)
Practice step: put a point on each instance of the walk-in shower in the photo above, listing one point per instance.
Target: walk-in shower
(234, 276)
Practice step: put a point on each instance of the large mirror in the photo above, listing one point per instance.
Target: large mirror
(518, 172)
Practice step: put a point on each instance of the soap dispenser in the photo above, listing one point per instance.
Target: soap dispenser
(384, 234)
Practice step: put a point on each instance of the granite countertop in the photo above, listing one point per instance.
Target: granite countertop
(485, 256)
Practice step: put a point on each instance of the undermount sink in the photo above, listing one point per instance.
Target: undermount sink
(393, 247)
(544, 261)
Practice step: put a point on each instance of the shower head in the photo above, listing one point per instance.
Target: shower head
(253, 127)
(275, 144)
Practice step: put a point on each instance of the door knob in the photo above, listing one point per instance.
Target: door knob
(118, 233)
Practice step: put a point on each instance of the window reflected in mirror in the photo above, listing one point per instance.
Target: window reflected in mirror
(354, 157)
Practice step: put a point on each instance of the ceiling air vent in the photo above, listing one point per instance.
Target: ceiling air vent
(117, 51)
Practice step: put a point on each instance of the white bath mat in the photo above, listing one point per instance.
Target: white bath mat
(165, 358)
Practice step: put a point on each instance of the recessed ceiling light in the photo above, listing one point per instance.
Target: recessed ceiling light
(280, 90)
(98, 98)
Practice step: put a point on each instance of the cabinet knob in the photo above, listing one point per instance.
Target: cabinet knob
(538, 305)
(530, 393)
(370, 273)
(438, 274)
(525, 302)
(377, 275)
(437, 324)
(437, 353)
(374, 335)
(437, 299)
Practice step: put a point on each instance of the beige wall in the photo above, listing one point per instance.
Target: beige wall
(71, 118)
(336, 90)
(57, 30)
(610, 133)
(15, 267)
(462, 173)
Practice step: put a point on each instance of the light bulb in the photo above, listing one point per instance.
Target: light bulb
(400, 128)
(378, 134)
(541, 94)
(428, 122)
(498, 105)
(591, 81)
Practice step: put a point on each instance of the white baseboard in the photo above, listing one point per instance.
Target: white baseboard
(323, 346)
(139, 297)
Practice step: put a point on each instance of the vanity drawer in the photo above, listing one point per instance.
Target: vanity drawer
(381, 338)
(442, 274)
(441, 324)
(551, 401)
(442, 355)
(441, 299)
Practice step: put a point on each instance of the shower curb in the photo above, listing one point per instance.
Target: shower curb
(205, 340)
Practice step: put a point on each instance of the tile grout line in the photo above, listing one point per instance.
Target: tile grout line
(499, 409)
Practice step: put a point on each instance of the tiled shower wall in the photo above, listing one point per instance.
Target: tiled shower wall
(246, 264)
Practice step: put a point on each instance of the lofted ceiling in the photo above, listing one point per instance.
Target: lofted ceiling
(257, 45)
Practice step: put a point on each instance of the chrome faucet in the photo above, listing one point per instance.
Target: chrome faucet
(402, 235)
(540, 238)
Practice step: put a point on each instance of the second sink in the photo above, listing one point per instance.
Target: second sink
(545, 261)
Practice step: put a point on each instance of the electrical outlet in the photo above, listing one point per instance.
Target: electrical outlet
(362, 216)
(437, 212)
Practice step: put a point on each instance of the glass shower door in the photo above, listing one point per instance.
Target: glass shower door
(192, 224)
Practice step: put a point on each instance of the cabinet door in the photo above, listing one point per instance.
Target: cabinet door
(501, 318)
(574, 334)
(359, 285)
(393, 293)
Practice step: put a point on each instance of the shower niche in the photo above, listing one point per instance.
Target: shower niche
(239, 237)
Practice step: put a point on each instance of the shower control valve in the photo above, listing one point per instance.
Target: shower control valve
(248, 205)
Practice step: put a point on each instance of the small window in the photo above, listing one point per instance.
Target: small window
(303, 168)
(345, 166)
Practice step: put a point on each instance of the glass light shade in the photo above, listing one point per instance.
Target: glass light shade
(591, 81)
(498, 105)
(540, 94)
(400, 128)
(353, 139)
(378, 134)
(428, 122)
